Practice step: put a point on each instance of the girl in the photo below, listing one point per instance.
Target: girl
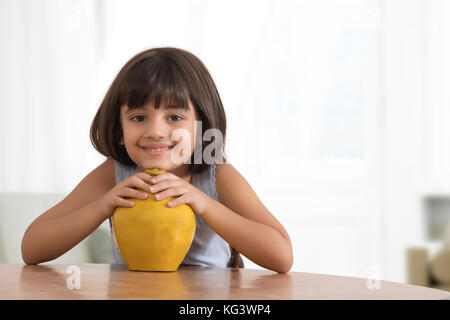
(157, 92)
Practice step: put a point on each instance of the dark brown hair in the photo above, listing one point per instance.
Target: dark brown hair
(169, 75)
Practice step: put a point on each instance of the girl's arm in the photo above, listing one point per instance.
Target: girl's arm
(63, 226)
(241, 219)
(92, 201)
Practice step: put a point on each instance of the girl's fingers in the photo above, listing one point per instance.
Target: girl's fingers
(145, 177)
(132, 193)
(167, 183)
(178, 201)
(141, 183)
(163, 176)
(136, 182)
(121, 202)
(172, 192)
(163, 185)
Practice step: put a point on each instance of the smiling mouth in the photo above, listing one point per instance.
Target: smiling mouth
(157, 149)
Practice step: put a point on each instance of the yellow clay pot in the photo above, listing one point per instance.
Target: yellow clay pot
(151, 236)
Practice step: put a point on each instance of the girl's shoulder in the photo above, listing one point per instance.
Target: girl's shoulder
(94, 185)
(235, 192)
(229, 182)
(100, 180)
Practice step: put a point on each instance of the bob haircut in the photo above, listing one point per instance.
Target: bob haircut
(158, 75)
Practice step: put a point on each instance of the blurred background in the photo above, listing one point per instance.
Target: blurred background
(343, 106)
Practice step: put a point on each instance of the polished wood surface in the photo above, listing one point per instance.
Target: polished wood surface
(105, 281)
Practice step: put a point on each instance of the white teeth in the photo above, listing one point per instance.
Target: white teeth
(158, 149)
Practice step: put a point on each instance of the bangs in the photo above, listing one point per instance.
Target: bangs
(171, 77)
(155, 82)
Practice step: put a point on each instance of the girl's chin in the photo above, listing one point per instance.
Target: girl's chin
(163, 164)
(155, 164)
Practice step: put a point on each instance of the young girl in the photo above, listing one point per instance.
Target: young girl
(157, 92)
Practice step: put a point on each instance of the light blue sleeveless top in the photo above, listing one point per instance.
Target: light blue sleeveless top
(207, 248)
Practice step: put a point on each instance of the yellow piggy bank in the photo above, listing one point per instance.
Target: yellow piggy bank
(151, 236)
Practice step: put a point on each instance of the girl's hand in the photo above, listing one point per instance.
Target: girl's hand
(124, 189)
(169, 185)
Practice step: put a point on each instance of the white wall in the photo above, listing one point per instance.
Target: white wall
(347, 95)
(403, 130)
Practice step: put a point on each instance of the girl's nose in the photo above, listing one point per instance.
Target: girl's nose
(156, 129)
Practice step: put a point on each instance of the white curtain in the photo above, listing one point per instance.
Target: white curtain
(292, 76)
(59, 57)
(49, 57)
(309, 88)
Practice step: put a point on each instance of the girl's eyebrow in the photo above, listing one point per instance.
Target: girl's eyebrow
(176, 107)
(167, 107)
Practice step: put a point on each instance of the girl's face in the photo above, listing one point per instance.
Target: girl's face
(148, 135)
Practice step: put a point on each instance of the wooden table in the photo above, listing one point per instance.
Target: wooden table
(105, 281)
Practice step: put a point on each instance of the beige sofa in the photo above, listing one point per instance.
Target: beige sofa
(429, 266)
(17, 211)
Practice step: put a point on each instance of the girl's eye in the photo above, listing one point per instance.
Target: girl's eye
(138, 118)
(177, 117)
